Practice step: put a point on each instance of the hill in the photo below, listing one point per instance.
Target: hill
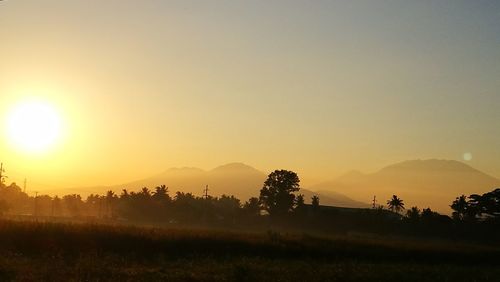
(424, 183)
(238, 179)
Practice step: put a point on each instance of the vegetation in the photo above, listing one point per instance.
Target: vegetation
(274, 237)
(474, 206)
(395, 204)
(90, 252)
(277, 196)
(279, 206)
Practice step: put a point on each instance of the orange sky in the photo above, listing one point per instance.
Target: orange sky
(319, 88)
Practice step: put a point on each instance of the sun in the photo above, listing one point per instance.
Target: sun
(33, 126)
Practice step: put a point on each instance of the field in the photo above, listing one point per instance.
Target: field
(91, 252)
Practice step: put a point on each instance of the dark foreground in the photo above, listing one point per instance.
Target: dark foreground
(86, 252)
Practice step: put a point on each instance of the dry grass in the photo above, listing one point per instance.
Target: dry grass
(85, 252)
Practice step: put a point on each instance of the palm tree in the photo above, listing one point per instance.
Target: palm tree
(395, 204)
(161, 192)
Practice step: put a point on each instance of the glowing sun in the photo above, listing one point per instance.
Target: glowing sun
(33, 126)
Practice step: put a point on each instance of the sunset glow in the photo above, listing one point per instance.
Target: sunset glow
(235, 140)
(33, 126)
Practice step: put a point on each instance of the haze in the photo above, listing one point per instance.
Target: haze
(318, 87)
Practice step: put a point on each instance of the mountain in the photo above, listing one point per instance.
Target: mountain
(423, 183)
(238, 179)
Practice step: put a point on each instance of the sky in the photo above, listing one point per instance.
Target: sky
(318, 87)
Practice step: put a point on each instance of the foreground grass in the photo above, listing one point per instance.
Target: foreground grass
(76, 252)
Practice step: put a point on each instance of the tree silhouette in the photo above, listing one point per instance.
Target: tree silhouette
(124, 194)
(395, 204)
(461, 209)
(300, 204)
(145, 192)
(73, 204)
(56, 206)
(252, 207)
(161, 193)
(413, 214)
(491, 203)
(111, 198)
(486, 204)
(315, 202)
(277, 196)
(228, 206)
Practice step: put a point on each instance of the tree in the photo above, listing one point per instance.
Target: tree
(413, 214)
(73, 204)
(56, 206)
(395, 204)
(468, 209)
(161, 193)
(276, 196)
(300, 204)
(252, 207)
(462, 209)
(145, 192)
(228, 206)
(110, 203)
(315, 202)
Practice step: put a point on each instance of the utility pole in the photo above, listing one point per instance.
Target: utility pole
(206, 192)
(100, 207)
(52, 208)
(2, 176)
(36, 208)
(24, 187)
(374, 202)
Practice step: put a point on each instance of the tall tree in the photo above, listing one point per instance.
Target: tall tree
(395, 204)
(276, 196)
(460, 207)
(315, 202)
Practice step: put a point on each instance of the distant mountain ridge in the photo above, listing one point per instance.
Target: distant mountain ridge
(238, 179)
(425, 183)
(431, 165)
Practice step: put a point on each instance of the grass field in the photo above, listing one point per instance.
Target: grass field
(89, 252)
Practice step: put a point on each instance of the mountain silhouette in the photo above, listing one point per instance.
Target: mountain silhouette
(238, 179)
(424, 183)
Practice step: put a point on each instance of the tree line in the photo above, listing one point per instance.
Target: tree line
(279, 198)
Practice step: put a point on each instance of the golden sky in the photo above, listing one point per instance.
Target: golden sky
(319, 87)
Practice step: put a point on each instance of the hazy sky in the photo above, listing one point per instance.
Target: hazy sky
(320, 87)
